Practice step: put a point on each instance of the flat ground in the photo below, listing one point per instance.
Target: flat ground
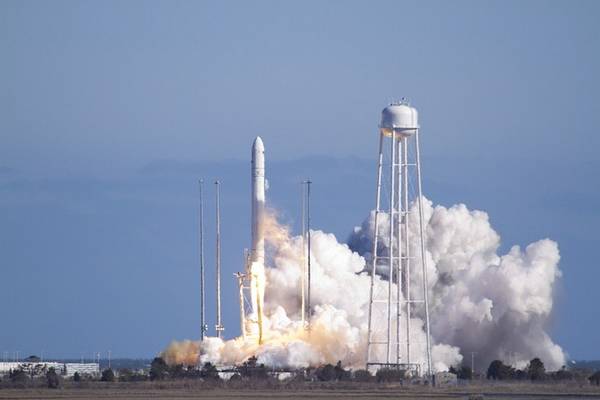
(192, 391)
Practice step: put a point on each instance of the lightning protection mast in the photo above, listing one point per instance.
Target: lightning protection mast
(303, 260)
(308, 257)
(219, 326)
(203, 326)
(391, 298)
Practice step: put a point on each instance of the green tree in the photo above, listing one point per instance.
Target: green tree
(362, 375)
(251, 369)
(493, 371)
(326, 373)
(536, 370)
(108, 375)
(519, 375)
(235, 379)
(76, 377)
(192, 372)
(177, 371)
(341, 374)
(52, 378)
(18, 376)
(125, 375)
(498, 370)
(209, 372)
(563, 374)
(595, 379)
(390, 375)
(159, 369)
(464, 373)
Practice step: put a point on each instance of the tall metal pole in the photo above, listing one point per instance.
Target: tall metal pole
(309, 309)
(303, 269)
(423, 258)
(374, 250)
(202, 284)
(391, 247)
(406, 243)
(219, 326)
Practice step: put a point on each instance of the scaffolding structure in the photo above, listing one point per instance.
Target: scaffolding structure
(249, 323)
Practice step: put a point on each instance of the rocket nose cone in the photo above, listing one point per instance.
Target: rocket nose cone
(258, 145)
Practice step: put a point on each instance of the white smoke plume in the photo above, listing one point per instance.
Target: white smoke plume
(494, 305)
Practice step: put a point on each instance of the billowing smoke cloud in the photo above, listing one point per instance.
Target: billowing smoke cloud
(494, 305)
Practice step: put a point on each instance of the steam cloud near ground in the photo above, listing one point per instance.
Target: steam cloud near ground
(494, 305)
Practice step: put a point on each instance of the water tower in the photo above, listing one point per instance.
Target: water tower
(398, 206)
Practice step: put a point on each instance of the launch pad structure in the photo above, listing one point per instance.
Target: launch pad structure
(398, 290)
(389, 326)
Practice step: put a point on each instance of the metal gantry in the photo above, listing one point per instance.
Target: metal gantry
(388, 345)
(248, 316)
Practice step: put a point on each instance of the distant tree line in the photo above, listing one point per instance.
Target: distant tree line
(251, 372)
(535, 371)
(160, 370)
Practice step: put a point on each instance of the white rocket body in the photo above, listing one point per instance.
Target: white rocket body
(258, 201)
(257, 253)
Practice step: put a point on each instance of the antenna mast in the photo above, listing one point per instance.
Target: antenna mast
(203, 326)
(219, 326)
(309, 309)
(303, 269)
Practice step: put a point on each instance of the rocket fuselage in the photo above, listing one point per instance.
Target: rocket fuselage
(258, 202)
(256, 265)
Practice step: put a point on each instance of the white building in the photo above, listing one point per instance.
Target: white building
(64, 369)
(82, 368)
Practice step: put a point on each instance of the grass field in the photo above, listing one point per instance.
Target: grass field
(187, 390)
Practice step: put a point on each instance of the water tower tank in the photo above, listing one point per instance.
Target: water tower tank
(399, 118)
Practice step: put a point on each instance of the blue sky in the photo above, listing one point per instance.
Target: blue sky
(110, 111)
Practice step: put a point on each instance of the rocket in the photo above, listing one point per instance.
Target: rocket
(257, 253)
(258, 201)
